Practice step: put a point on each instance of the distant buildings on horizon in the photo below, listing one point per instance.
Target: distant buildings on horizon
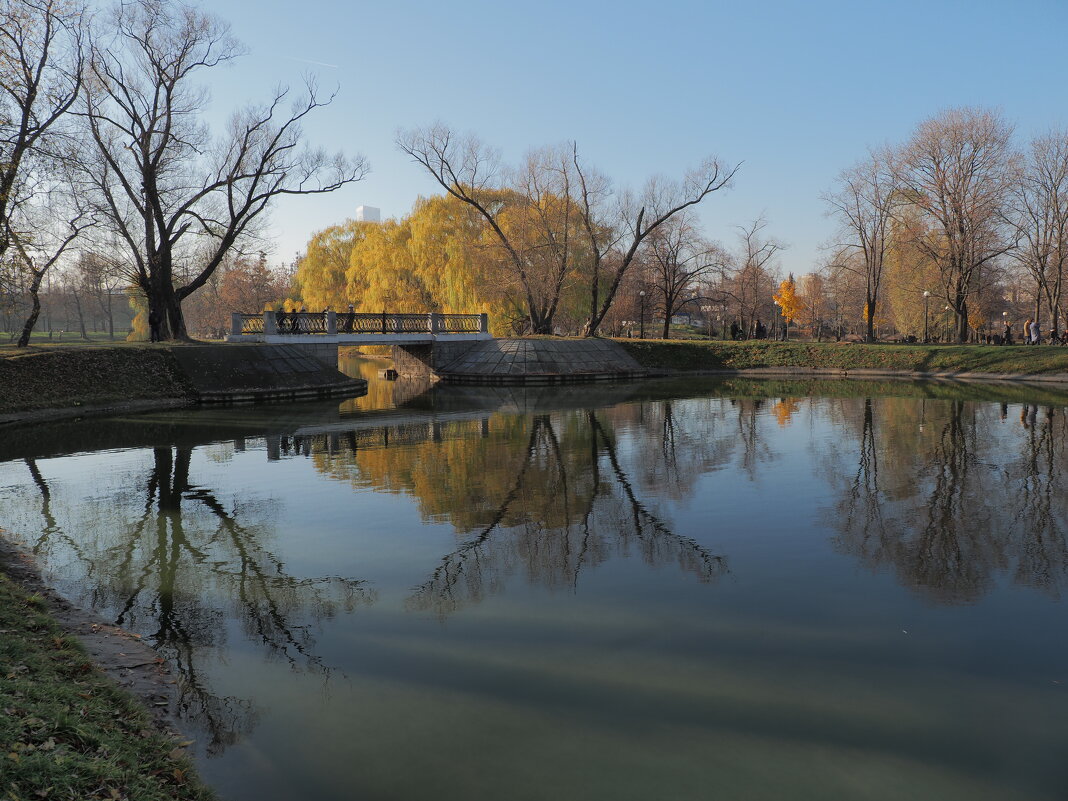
(368, 214)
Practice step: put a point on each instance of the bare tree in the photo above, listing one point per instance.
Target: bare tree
(844, 292)
(863, 201)
(816, 304)
(41, 60)
(552, 217)
(635, 219)
(469, 171)
(1038, 212)
(747, 280)
(41, 68)
(166, 186)
(530, 214)
(957, 170)
(678, 259)
(52, 215)
(102, 278)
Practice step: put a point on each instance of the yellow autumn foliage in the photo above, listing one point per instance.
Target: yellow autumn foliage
(784, 410)
(443, 258)
(791, 304)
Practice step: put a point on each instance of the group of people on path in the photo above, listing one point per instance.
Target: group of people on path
(1032, 335)
(756, 330)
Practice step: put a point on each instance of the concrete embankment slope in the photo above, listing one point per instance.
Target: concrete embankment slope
(74, 381)
(536, 360)
(260, 372)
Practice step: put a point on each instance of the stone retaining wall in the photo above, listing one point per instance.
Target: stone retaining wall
(260, 372)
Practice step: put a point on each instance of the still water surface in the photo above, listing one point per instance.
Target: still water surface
(682, 590)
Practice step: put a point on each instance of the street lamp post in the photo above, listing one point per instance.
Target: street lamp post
(785, 322)
(641, 325)
(1005, 322)
(926, 298)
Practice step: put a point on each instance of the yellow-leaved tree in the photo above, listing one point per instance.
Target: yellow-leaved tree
(139, 330)
(910, 272)
(436, 259)
(321, 275)
(789, 302)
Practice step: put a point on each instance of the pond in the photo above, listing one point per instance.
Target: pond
(682, 589)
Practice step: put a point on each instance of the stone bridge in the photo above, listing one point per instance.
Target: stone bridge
(415, 337)
(452, 347)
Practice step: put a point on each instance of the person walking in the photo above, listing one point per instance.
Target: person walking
(1027, 331)
(1036, 335)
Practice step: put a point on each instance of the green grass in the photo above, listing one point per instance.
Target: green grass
(66, 732)
(9, 338)
(1020, 360)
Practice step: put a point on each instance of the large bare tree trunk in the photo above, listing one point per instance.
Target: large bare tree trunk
(162, 180)
(35, 311)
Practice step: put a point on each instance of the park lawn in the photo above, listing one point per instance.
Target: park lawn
(66, 338)
(718, 355)
(67, 732)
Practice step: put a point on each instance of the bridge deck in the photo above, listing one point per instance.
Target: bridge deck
(357, 327)
(356, 339)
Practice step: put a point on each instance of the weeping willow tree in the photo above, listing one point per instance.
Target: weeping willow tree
(909, 273)
(439, 258)
(321, 275)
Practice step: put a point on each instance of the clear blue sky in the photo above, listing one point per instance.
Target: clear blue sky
(795, 90)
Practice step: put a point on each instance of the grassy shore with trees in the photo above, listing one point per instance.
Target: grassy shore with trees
(697, 355)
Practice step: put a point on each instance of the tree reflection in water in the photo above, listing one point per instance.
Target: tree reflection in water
(949, 502)
(1040, 540)
(545, 494)
(183, 567)
(601, 515)
(953, 500)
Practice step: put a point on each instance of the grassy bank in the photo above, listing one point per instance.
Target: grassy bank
(61, 377)
(66, 732)
(1020, 360)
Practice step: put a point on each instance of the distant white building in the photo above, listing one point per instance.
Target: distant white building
(368, 214)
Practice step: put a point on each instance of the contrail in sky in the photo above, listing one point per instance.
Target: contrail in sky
(309, 61)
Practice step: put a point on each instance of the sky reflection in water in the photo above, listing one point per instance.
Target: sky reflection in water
(670, 590)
